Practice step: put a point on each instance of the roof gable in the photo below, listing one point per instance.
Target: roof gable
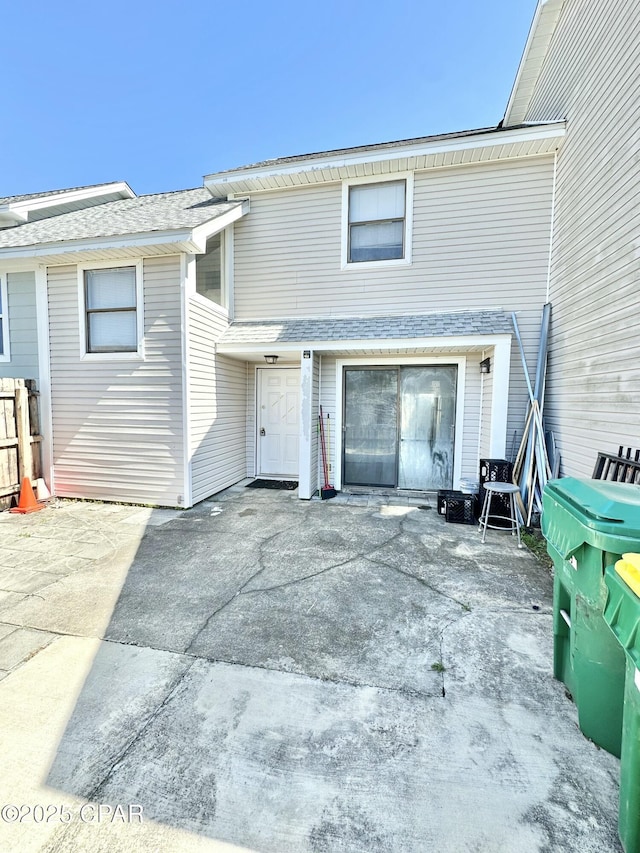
(18, 209)
(175, 221)
(542, 29)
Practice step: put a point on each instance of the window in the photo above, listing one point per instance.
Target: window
(4, 320)
(377, 222)
(112, 321)
(209, 271)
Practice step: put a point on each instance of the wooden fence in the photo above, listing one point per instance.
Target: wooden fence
(20, 439)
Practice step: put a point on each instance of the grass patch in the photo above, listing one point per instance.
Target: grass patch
(537, 544)
(438, 666)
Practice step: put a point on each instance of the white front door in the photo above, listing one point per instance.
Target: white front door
(278, 421)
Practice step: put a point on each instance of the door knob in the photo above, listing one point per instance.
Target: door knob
(263, 431)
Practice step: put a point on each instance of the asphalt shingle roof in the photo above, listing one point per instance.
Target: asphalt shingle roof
(162, 212)
(376, 146)
(10, 199)
(364, 328)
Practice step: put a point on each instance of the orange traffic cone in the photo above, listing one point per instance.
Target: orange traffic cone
(27, 502)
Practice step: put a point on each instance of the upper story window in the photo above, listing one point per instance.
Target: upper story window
(209, 277)
(4, 320)
(377, 222)
(112, 307)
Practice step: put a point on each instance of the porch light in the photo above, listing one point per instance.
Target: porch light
(271, 359)
(485, 366)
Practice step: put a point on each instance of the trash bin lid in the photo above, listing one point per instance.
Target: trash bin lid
(600, 505)
(629, 570)
(622, 611)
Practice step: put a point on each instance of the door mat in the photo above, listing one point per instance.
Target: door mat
(286, 485)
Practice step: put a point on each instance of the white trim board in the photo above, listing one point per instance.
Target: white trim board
(454, 341)
(18, 211)
(44, 377)
(187, 281)
(336, 160)
(138, 354)
(5, 354)
(345, 263)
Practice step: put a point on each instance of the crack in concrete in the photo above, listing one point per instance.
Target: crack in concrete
(302, 579)
(262, 567)
(421, 581)
(447, 625)
(136, 737)
(360, 556)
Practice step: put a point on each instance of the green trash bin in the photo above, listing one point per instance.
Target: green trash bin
(589, 524)
(622, 614)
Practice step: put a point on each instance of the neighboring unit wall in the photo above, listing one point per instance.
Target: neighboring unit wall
(591, 78)
(117, 425)
(217, 394)
(23, 328)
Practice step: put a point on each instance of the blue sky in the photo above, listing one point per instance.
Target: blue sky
(159, 94)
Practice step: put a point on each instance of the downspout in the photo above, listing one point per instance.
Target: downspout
(552, 225)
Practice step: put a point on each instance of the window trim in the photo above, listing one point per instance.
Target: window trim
(5, 355)
(391, 177)
(222, 307)
(133, 355)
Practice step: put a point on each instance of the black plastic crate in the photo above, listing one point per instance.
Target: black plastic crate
(457, 507)
(443, 496)
(496, 471)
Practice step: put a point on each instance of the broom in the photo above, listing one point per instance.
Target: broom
(327, 491)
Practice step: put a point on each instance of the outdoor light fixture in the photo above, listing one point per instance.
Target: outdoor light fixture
(271, 359)
(485, 366)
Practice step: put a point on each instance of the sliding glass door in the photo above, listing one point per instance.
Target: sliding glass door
(399, 425)
(370, 434)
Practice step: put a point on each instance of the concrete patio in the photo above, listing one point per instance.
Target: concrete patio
(265, 674)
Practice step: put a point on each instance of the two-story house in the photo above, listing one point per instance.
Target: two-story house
(184, 341)
(377, 279)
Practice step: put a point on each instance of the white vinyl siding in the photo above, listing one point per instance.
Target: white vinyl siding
(485, 418)
(117, 426)
(330, 404)
(218, 391)
(4, 319)
(591, 77)
(20, 310)
(481, 238)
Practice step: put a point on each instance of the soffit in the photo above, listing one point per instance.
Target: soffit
(429, 153)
